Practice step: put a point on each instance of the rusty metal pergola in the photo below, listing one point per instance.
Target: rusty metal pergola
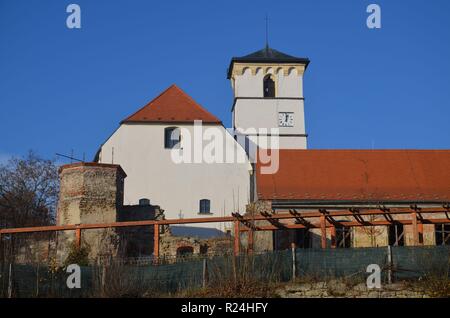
(291, 218)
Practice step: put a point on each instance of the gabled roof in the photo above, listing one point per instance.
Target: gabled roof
(268, 55)
(358, 175)
(172, 105)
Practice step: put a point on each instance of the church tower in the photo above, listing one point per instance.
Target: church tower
(268, 93)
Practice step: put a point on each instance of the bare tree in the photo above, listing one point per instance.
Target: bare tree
(28, 191)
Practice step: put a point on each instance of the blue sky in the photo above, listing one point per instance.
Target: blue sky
(63, 89)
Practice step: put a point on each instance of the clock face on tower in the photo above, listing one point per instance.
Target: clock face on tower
(285, 119)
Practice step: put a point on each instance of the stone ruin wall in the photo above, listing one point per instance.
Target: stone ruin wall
(90, 193)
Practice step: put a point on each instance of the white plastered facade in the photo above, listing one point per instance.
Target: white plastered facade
(178, 187)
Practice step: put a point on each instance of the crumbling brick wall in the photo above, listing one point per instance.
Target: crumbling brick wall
(90, 193)
(172, 246)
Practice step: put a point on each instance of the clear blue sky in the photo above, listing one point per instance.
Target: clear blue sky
(63, 89)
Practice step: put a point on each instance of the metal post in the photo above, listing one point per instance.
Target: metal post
(250, 241)
(103, 282)
(415, 229)
(389, 257)
(323, 230)
(420, 230)
(10, 281)
(294, 262)
(156, 241)
(78, 238)
(333, 237)
(205, 273)
(236, 238)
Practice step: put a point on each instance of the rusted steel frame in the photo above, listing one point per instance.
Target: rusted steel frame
(205, 220)
(420, 229)
(357, 216)
(386, 214)
(415, 229)
(345, 208)
(446, 210)
(333, 236)
(362, 213)
(156, 241)
(237, 234)
(420, 226)
(349, 224)
(75, 226)
(323, 230)
(78, 238)
(300, 219)
(250, 240)
(274, 221)
(247, 222)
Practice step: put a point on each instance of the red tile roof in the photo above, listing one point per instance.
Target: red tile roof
(358, 175)
(172, 105)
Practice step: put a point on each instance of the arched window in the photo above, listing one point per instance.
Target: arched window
(269, 86)
(205, 206)
(172, 137)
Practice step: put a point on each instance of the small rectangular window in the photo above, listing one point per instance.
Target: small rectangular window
(172, 137)
(343, 237)
(396, 235)
(442, 232)
(205, 206)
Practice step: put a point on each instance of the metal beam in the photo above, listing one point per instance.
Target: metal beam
(210, 220)
(420, 229)
(78, 238)
(237, 234)
(323, 231)
(333, 236)
(414, 228)
(156, 241)
(348, 224)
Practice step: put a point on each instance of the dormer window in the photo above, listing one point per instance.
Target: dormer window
(172, 137)
(269, 86)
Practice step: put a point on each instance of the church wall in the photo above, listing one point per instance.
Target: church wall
(177, 188)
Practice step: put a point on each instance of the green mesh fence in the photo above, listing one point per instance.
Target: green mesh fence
(339, 262)
(119, 278)
(411, 262)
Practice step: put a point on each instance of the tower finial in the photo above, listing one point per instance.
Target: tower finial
(267, 32)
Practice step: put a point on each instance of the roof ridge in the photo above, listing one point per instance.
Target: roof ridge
(196, 103)
(160, 94)
(166, 108)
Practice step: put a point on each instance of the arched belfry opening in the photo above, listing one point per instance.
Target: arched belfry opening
(269, 86)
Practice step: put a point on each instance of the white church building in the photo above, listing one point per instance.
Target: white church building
(157, 146)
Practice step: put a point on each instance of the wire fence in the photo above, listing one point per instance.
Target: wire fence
(144, 277)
